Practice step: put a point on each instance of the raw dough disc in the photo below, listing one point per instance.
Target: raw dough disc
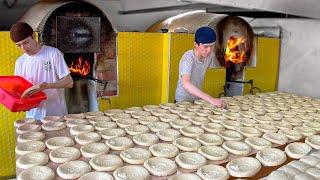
(243, 167)
(64, 154)
(36, 173)
(56, 142)
(131, 172)
(190, 160)
(164, 150)
(73, 169)
(32, 159)
(135, 155)
(271, 157)
(160, 166)
(106, 162)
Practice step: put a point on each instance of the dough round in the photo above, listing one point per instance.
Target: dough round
(186, 114)
(213, 127)
(52, 119)
(291, 134)
(229, 124)
(164, 150)
(116, 117)
(266, 128)
(230, 135)
(168, 134)
(248, 122)
(214, 153)
(119, 143)
(56, 142)
(313, 141)
(209, 172)
(297, 149)
(135, 155)
(168, 117)
(102, 125)
(92, 114)
(190, 160)
(237, 147)
(209, 139)
(167, 105)
(248, 114)
(191, 131)
(137, 129)
(74, 116)
(243, 167)
(123, 123)
(216, 118)
(279, 174)
(282, 125)
(305, 131)
(180, 123)
(293, 121)
(263, 119)
(76, 122)
(22, 122)
(150, 107)
(73, 169)
(53, 126)
(187, 176)
(111, 112)
(187, 144)
(145, 120)
(81, 129)
(28, 128)
(140, 114)
(160, 166)
(258, 143)
(96, 119)
(313, 125)
(93, 149)
(36, 173)
(159, 112)
(64, 154)
(106, 162)
(131, 110)
(157, 126)
(199, 120)
(32, 159)
(271, 157)
(131, 172)
(30, 146)
(31, 136)
(96, 176)
(204, 113)
(146, 139)
(231, 115)
(111, 133)
(276, 138)
(249, 131)
(86, 138)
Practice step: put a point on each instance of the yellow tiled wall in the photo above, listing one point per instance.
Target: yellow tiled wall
(140, 67)
(265, 74)
(8, 54)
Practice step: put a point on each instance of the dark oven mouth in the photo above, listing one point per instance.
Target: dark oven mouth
(80, 64)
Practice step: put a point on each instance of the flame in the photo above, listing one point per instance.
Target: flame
(81, 67)
(233, 52)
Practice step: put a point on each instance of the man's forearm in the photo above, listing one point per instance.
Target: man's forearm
(65, 82)
(189, 87)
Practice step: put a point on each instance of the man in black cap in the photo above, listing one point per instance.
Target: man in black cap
(193, 66)
(43, 66)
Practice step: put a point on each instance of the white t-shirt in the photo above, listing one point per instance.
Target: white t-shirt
(190, 64)
(47, 65)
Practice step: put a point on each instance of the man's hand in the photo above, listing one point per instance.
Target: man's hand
(30, 91)
(218, 102)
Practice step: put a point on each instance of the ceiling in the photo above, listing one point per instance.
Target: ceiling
(12, 10)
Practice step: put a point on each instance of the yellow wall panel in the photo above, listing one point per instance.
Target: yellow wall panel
(265, 74)
(8, 55)
(140, 69)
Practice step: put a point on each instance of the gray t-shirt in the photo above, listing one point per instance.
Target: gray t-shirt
(189, 64)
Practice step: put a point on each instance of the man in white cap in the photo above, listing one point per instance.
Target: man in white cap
(193, 66)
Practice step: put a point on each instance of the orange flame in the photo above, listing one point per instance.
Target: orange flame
(81, 67)
(233, 52)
